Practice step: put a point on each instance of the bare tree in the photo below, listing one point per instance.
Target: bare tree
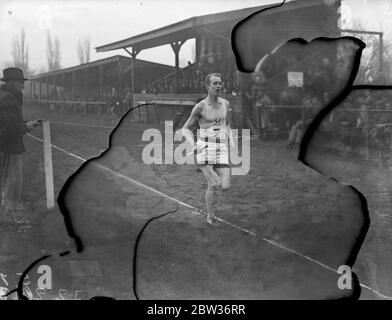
(53, 53)
(41, 70)
(370, 69)
(87, 49)
(20, 51)
(79, 50)
(83, 50)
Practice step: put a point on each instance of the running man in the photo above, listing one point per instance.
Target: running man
(212, 151)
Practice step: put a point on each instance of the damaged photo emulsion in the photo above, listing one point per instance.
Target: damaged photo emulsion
(162, 148)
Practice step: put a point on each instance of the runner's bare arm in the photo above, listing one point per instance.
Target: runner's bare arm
(191, 123)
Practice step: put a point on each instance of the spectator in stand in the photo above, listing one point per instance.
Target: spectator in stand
(201, 87)
(114, 103)
(263, 102)
(228, 88)
(347, 116)
(316, 105)
(192, 88)
(309, 80)
(292, 114)
(218, 62)
(362, 117)
(325, 74)
(346, 120)
(198, 71)
(128, 101)
(328, 124)
(250, 99)
(298, 129)
(81, 109)
(327, 98)
(237, 77)
(277, 122)
(182, 88)
(172, 88)
(284, 99)
(378, 121)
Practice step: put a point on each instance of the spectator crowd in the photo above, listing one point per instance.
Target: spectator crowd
(191, 78)
(280, 109)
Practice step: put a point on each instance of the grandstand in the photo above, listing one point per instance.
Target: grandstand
(93, 82)
(212, 35)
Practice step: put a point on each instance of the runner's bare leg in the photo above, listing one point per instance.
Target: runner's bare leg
(213, 184)
(224, 177)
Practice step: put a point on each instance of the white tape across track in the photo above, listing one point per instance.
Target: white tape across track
(199, 212)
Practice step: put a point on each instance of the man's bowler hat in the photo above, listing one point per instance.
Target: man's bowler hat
(13, 74)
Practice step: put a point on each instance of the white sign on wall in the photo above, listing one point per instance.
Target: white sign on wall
(295, 79)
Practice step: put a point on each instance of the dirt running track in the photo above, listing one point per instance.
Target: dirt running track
(305, 226)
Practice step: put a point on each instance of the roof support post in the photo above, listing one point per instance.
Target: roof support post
(176, 46)
(31, 89)
(197, 49)
(86, 83)
(53, 89)
(203, 46)
(40, 92)
(49, 83)
(133, 55)
(100, 82)
(47, 88)
(63, 87)
(73, 85)
(381, 51)
(118, 77)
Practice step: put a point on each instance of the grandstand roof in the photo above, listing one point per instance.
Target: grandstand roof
(96, 63)
(218, 23)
